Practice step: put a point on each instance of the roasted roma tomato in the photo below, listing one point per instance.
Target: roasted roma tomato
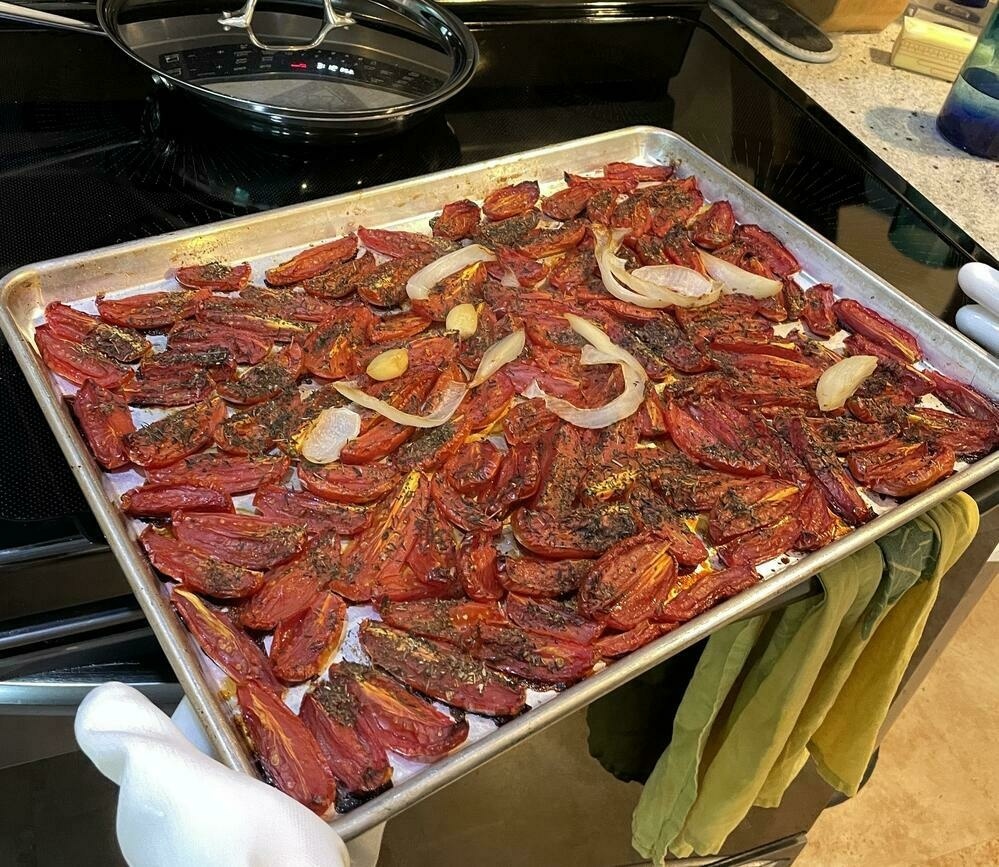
(313, 262)
(287, 750)
(180, 434)
(854, 316)
(152, 309)
(637, 173)
(77, 364)
(105, 419)
(430, 448)
(198, 570)
(229, 473)
(613, 645)
(398, 326)
(331, 348)
(698, 443)
(576, 533)
(253, 541)
(819, 525)
(289, 303)
(704, 325)
(120, 344)
(510, 231)
(385, 286)
(661, 346)
(964, 399)
(440, 671)
(244, 346)
(256, 429)
(818, 313)
(840, 491)
(303, 643)
(457, 221)
(292, 588)
(340, 280)
(400, 244)
(473, 467)
(970, 438)
(610, 184)
(168, 392)
(246, 316)
(555, 618)
(214, 276)
(455, 621)
(628, 583)
(178, 364)
(846, 435)
(761, 502)
(527, 271)
(229, 648)
(348, 484)
(477, 567)
(529, 421)
(332, 713)
(713, 228)
(539, 659)
(529, 576)
(317, 515)
(709, 589)
(898, 471)
(568, 203)
(462, 287)
(676, 201)
(758, 546)
(462, 510)
(160, 501)
(398, 719)
(510, 201)
(542, 243)
(265, 380)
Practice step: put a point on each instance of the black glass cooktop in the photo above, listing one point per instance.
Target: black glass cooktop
(92, 153)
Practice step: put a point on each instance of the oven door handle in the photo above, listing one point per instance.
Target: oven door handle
(60, 694)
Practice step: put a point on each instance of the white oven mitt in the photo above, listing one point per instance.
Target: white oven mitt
(179, 807)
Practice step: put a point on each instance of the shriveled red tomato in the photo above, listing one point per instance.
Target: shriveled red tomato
(430, 448)
(401, 721)
(846, 435)
(457, 221)
(462, 509)
(267, 379)
(529, 576)
(256, 429)
(713, 228)
(698, 443)
(180, 434)
(608, 184)
(638, 173)
(442, 672)
(576, 533)
(708, 590)
(157, 500)
(758, 546)
(286, 749)
(761, 502)
(473, 467)
(317, 515)
(661, 346)
(105, 419)
(178, 364)
(704, 325)
(304, 642)
(676, 201)
(841, 492)
(253, 541)
(854, 316)
(555, 618)
(244, 346)
(795, 373)
(399, 244)
(510, 201)
(292, 588)
(542, 243)
(228, 647)
(529, 421)
(455, 621)
(568, 203)
(478, 569)
(462, 287)
(330, 349)
(348, 484)
(163, 391)
(902, 469)
(613, 645)
(385, 286)
(398, 326)
(151, 309)
(244, 315)
(214, 276)
(289, 303)
(197, 570)
(77, 364)
(228, 473)
(332, 713)
(119, 344)
(540, 659)
(340, 280)
(629, 582)
(818, 524)
(964, 399)
(313, 261)
(488, 402)
(510, 231)
(969, 437)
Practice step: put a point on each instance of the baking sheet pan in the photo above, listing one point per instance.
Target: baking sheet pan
(266, 239)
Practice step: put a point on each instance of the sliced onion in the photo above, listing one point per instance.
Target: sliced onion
(739, 280)
(595, 336)
(600, 349)
(500, 353)
(419, 285)
(840, 381)
(658, 286)
(332, 430)
(450, 400)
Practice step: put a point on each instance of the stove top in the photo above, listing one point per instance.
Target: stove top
(93, 153)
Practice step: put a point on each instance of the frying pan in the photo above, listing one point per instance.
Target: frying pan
(292, 67)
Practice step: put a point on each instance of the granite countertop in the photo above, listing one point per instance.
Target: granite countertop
(893, 112)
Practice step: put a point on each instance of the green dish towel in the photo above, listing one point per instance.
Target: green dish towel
(816, 677)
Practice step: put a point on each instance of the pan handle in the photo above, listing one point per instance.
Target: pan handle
(244, 18)
(47, 19)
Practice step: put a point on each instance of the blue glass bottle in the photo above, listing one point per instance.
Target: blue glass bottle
(970, 114)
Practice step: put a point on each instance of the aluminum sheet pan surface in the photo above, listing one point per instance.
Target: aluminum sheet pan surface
(268, 238)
